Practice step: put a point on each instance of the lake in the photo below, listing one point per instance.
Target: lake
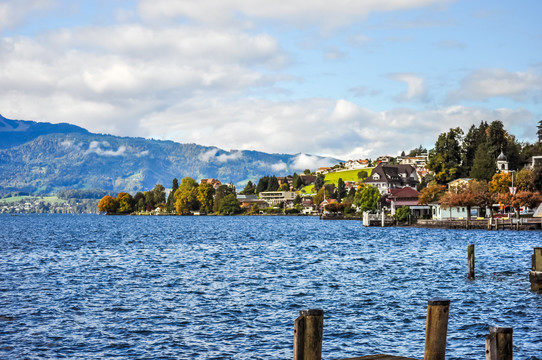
(94, 287)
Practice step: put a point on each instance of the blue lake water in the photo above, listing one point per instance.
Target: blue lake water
(94, 287)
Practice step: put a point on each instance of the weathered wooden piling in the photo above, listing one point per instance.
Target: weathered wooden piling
(471, 261)
(308, 335)
(499, 343)
(436, 329)
(535, 275)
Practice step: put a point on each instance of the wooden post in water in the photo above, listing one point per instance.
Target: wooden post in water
(471, 261)
(499, 343)
(308, 334)
(436, 329)
(535, 275)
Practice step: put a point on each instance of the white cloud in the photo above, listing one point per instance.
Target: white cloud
(234, 155)
(14, 13)
(305, 161)
(483, 84)
(279, 167)
(96, 147)
(416, 88)
(296, 12)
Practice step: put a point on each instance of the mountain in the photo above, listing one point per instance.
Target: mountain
(43, 158)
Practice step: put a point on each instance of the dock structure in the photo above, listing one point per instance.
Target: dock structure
(309, 330)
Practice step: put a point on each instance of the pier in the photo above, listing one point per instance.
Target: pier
(309, 330)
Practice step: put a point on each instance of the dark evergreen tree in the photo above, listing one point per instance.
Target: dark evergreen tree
(484, 164)
(296, 182)
(319, 182)
(445, 158)
(171, 197)
(249, 189)
(139, 201)
(341, 190)
(273, 184)
(262, 184)
(471, 142)
(539, 132)
(221, 193)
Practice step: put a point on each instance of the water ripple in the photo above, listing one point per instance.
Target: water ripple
(99, 287)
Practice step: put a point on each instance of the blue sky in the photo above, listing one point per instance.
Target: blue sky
(349, 79)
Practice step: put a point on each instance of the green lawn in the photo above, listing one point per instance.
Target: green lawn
(347, 175)
(48, 199)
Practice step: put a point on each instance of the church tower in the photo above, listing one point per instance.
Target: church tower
(502, 163)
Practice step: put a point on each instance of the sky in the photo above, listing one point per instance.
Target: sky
(347, 79)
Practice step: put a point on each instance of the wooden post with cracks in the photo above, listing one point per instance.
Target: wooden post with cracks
(499, 343)
(308, 334)
(471, 261)
(436, 329)
(535, 275)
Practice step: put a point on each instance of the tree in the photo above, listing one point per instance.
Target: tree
(402, 214)
(186, 201)
(474, 193)
(529, 199)
(229, 205)
(221, 193)
(319, 182)
(475, 136)
(284, 187)
(205, 193)
(367, 198)
(539, 132)
(483, 166)
(186, 196)
(273, 184)
(108, 204)
(171, 197)
(159, 194)
(187, 183)
(537, 178)
(125, 202)
(249, 189)
(139, 201)
(362, 174)
(319, 197)
(417, 151)
(431, 194)
(500, 183)
(341, 190)
(524, 180)
(263, 183)
(149, 200)
(445, 158)
(307, 171)
(296, 182)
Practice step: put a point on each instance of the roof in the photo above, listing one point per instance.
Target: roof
(392, 174)
(403, 193)
(502, 157)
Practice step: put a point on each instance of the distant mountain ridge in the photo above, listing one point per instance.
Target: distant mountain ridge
(42, 158)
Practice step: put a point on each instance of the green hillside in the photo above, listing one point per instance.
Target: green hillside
(333, 178)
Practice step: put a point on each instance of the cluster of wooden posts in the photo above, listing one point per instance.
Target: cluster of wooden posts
(309, 326)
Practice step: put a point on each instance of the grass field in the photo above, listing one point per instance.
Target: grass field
(49, 199)
(333, 178)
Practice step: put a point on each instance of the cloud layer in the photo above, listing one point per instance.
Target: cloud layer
(258, 75)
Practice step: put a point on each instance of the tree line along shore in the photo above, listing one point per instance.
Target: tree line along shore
(463, 169)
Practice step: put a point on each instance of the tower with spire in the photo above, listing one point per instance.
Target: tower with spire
(502, 163)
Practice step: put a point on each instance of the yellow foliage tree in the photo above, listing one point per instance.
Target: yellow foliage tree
(108, 204)
(500, 183)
